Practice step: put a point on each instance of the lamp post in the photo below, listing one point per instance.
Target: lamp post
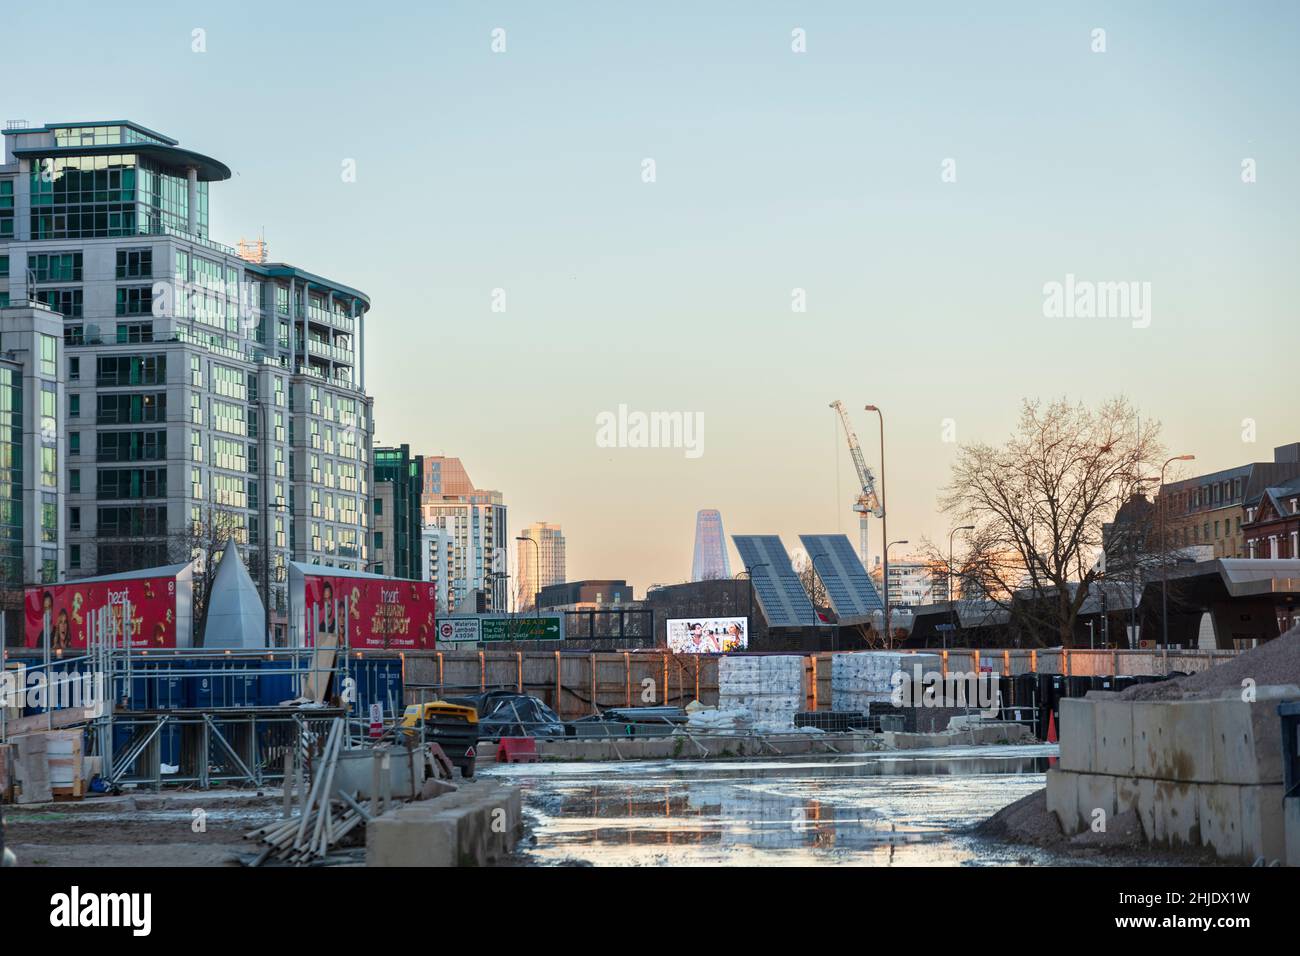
(888, 545)
(749, 619)
(952, 624)
(1164, 557)
(884, 520)
(537, 576)
(813, 559)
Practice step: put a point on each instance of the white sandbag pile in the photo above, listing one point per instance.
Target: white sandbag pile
(861, 678)
(729, 720)
(771, 688)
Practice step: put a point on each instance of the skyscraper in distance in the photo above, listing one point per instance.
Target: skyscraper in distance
(710, 547)
(549, 552)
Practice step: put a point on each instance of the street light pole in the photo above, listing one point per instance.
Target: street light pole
(884, 521)
(1164, 557)
(952, 625)
(888, 545)
(813, 559)
(537, 576)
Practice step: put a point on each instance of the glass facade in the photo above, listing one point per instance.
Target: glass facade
(86, 197)
(11, 476)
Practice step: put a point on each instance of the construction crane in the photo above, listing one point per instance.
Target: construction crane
(867, 503)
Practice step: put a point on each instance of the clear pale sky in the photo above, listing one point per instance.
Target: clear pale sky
(522, 171)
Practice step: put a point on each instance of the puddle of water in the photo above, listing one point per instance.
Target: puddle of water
(896, 808)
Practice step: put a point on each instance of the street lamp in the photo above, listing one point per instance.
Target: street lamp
(537, 576)
(952, 624)
(813, 559)
(1164, 555)
(884, 518)
(888, 545)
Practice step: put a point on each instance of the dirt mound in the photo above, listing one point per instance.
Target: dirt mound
(1123, 831)
(1026, 821)
(1277, 662)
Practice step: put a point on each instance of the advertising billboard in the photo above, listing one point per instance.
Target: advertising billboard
(382, 613)
(708, 635)
(159, 600)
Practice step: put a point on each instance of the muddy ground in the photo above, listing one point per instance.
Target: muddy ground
(178, 828)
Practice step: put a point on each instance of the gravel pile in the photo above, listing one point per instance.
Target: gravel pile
(1026, 821)
(1277, 662)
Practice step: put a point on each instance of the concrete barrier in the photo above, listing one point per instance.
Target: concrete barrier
(477, 824)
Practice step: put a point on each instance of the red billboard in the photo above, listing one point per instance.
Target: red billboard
(383, 613)
(153, 611)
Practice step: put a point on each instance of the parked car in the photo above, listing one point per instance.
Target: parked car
(504, 713)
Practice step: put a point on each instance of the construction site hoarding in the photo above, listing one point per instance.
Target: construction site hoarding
(160, 602)
(713, 635)
(383, 613)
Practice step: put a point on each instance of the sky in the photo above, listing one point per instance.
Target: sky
(921, 174)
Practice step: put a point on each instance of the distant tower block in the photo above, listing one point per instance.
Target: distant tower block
(251, 250)
(710, 548)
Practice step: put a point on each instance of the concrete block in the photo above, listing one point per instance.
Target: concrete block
(1291, 822)
(1096, 792)
(1128, 795)
(1078, 735)
(391, 841)
(1113, 723)
(1146, 806)
(1153, 737)
(1192, 757)
(1175, 814)
(1218, 812)
(1063, 799)
(1263, 823)
(1248, 736)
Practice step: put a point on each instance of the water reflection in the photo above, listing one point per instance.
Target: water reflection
(868, 809)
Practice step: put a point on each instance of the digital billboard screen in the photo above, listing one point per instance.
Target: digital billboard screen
(708, 635)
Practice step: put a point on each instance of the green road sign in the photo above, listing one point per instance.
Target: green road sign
(544, 628)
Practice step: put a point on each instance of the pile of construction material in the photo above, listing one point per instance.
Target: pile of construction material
(349, 788)
(39, 767)
(769, 688)
(863, 678)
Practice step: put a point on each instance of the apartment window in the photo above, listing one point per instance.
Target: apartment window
(56, 266)
(134, 263)
(74, 519)
(74, 406)
(131, 446)
(132, 409)
(49, 355)
(74, 556)
(132, 370)
(74, 369)
(131, 483)
(133, 333)
(74, 335)
(74, 481)
(135, 300)
(65, 301)
(379, 539)
(74, 443)
(4, 267)
(123, 521)
(379, 506)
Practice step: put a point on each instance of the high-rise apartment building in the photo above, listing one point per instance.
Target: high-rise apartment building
(399, 515)
(913, 581)
(540, 562)
(32, 446)
(475, 520)
(207, 395)
(710, 562)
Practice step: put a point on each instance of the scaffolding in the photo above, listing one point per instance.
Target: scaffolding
(137, 713)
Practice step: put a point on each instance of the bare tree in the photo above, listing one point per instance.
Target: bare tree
(1038, 504)
(811, 581)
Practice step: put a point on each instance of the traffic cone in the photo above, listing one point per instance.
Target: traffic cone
(1051, 727)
